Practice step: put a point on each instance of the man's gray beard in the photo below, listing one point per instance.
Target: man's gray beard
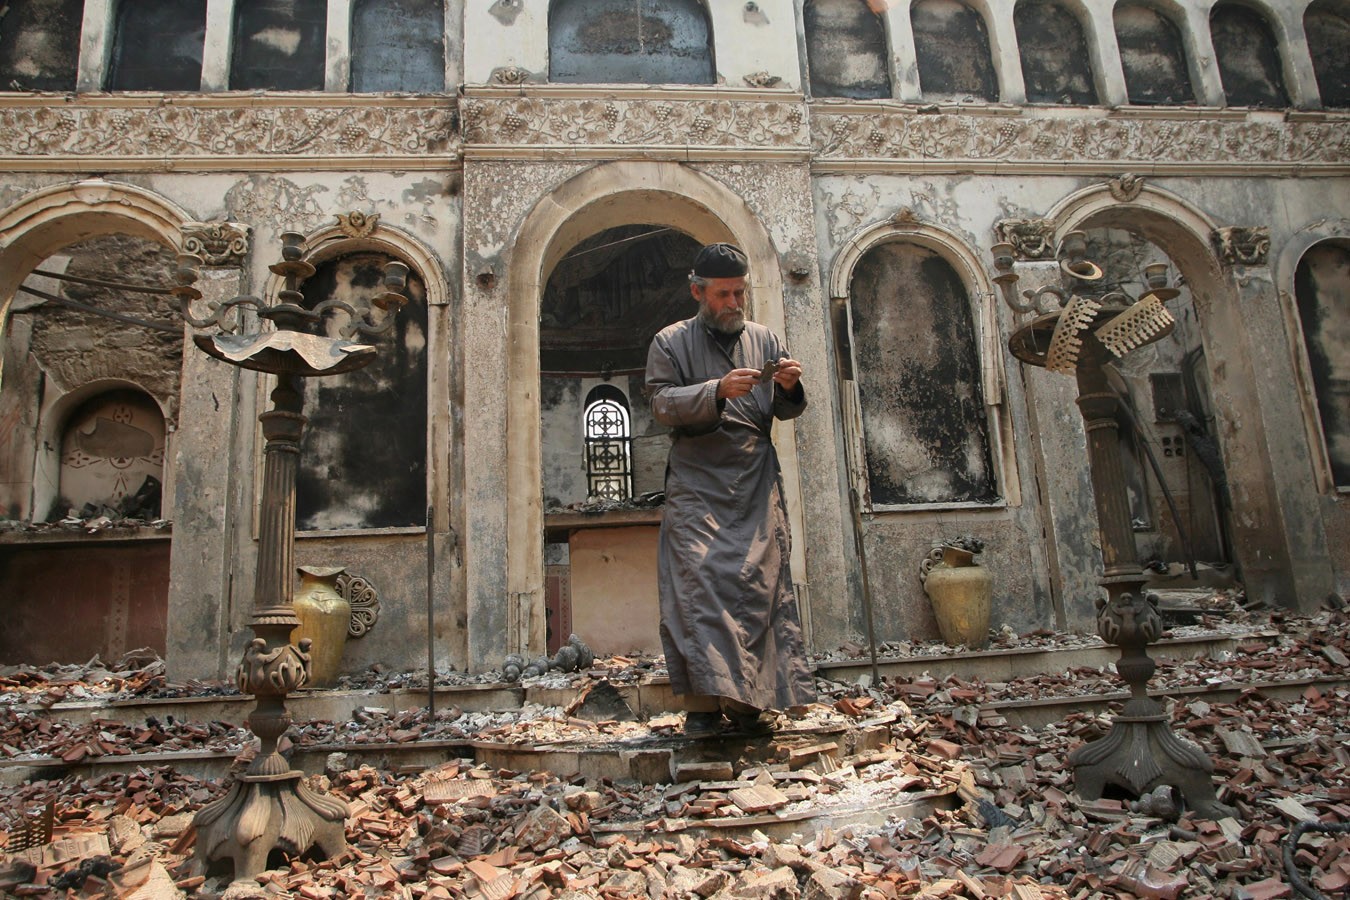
(708, 319)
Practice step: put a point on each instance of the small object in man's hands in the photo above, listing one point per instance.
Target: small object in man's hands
(768, 371)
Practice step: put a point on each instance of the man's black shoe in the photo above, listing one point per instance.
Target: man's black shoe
(702, 724)
(754, 724)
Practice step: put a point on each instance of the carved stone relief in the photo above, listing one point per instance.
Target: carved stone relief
(356, 224)
(720, 123)
(217, 243)
(1127, 187)
(1030, 238)
(181, 130)
(1244, 246)
(897, 136)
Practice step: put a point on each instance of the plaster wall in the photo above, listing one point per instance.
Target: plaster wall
(614, 592)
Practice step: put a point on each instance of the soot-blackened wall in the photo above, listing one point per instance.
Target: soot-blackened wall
(40, 45)
(1153, 56)
(918, 374)
(398, 45)
(363, 455)
(279, 45)
(845, 50)
(1329, 43)
(627, 42)
(1055, 63)
(952, 46)
(1322, 289)
(1249, 61)
(158, 46)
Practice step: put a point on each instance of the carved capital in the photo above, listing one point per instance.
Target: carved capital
(217, 243)
(1242, 245)
(1127, 187)
(1030, 238)
(357, 224)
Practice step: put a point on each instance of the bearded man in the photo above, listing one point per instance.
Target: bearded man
(729, 622)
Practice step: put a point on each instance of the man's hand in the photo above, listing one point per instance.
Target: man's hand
(737, 383)
(788, 374)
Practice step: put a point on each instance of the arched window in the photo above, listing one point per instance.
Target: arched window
(363, 456)
(952, 47)
(1322, 291)
(1153, 56)
(279, 45)
(1249, 60)
(1056, 66)
(629, 42)
(398, 45)
(846, 50)
(925, 427)
(40, 45)
(609, 444)
(158, 46)
(1328, 39)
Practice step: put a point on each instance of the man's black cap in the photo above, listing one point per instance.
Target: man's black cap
(721, 261)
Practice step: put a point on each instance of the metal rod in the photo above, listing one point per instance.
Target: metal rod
(138, 288)
(94, 310)
(431, 614)
(855, 502)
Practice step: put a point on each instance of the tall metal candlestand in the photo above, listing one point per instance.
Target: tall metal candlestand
(269, 807)
(1079, 332)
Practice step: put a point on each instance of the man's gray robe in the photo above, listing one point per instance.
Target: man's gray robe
(729, 621)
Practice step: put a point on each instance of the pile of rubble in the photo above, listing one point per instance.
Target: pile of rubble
(901, 789)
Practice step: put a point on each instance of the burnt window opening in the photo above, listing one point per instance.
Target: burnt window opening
(602, 304)
(1248, 56)
(1322, 292)
(112, 458)
(630, 42)
(363, 454)
(279, 45)
(609, 444)
(951, 44)
(1328, 34)
(846, 50)
(1153, 56)
(1056, 66)
(398, 45)
(40, 45)
(158, 46)
(919, 381)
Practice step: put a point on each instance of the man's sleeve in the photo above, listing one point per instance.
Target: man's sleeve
(788, 404)
(688, 408)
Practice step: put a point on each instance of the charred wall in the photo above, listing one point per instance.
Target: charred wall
(1153, 56)
(1329, 43)
(951, 44)
(1056, 65)
(1322, 291)
(279, 45)
(622, 42)
(1249, 61)
(158, 46)
(398, 45)
(846, 50)
(40, 45)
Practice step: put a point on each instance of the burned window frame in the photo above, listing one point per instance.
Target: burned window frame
(980, 296)
(1330, 8)
(986, 53)
(701, 8)
(884, 91)
(1270, 26)
(1311, 398)
(1085, 32)
(1168, 17)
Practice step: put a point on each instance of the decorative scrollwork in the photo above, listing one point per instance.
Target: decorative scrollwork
(1246, 246)
(1030, 238)
(277, 671)
(217, 243)
(1130, 619)
(364, 600)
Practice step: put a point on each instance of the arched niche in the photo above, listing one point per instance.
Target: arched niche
(914, 444)
(1153, 55)
(951, 41)
(1248, 55)
(1322, 300)
(398, 45)
(660, 194)
(846, 50)
(112, 456)
(158, 46)
(279, 45)
(623, 42)
(1056, 64)
(1327, 26)
(40, 45)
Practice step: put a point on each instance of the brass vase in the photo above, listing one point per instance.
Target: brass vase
(960, 590)
(325, 615)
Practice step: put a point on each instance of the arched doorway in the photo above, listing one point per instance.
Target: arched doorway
(609, 196)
